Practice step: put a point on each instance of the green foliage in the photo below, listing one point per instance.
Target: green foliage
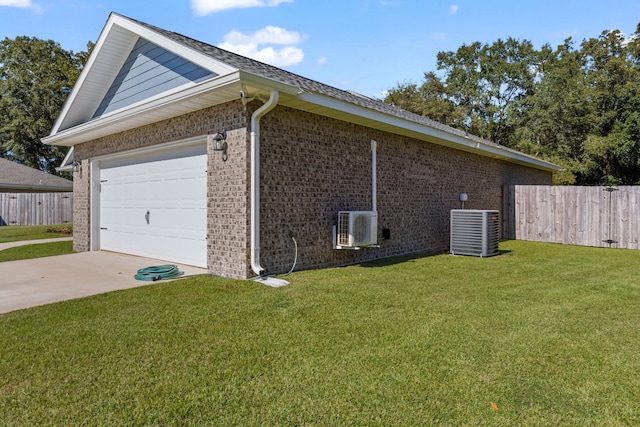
(488, 80)
(35, 78)
(432, 100)
(546, 333)
(577, 107)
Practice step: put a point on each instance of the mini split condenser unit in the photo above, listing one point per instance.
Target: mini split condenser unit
(474, 232)
(357, 228)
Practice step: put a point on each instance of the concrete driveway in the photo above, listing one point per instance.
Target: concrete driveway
(29, 283)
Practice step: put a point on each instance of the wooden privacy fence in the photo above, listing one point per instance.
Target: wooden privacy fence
(586, 216)
(36, 208)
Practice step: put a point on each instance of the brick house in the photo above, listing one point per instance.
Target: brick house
(150, 106)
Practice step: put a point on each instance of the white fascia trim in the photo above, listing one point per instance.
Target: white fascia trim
(66, 162)
(179, 49)
(86, 70)
(454, 140)
(268, 84)
(160, 101)
(136, 30)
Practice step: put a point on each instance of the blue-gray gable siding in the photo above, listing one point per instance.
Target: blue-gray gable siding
(149, 70)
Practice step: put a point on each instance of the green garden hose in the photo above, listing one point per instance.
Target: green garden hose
(158, 272)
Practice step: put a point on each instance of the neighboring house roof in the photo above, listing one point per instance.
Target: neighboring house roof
(15, 177)
(230, 74)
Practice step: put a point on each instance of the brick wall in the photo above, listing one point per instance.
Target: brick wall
(81, 208)
(228, 181)
(312, 167)
(228, 213)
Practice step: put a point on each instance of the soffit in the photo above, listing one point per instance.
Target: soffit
(110, 52)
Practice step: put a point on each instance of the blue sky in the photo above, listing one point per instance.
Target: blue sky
(366, 46)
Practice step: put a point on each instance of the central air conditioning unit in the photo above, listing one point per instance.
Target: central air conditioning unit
(356, 228)
(474, 232)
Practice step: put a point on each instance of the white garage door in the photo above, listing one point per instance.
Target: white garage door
(156, 205)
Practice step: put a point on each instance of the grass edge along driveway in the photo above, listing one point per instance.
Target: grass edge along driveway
(36, 250)
(541, 335)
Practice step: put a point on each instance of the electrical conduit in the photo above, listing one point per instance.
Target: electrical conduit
(255, 180)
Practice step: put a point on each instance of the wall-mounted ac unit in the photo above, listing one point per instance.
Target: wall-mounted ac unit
(474, 232)
(357, 228)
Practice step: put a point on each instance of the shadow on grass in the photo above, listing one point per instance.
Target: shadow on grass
(385, 262)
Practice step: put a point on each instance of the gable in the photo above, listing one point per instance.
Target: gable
(139, 74)
(149, 70)
(132, 64)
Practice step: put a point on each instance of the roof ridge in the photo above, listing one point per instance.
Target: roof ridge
(309, 84)
(287, 77)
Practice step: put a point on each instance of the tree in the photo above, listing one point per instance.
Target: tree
(612, 74)
(486, 81)
(576, 107)
(432, 99)
(553, 121)
(35, 78)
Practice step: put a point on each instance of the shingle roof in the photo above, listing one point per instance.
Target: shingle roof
(283, 76)
(15, 176)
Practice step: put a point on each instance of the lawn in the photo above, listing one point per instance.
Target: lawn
(15, 233)
(541, 335)
(37, 250)
(36, 232)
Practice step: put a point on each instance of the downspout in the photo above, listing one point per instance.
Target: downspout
(255, 180)
(374, 193)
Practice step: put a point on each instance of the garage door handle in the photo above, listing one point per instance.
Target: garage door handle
(146, 216)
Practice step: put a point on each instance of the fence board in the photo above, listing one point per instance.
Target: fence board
(587, 216)
(36, 208)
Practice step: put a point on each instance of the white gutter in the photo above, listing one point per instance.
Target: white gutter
(255, 180)
(401, 126)
(182, 100)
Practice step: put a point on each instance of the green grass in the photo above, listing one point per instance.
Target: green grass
(38, 250)
(13, 233)
(550, 334)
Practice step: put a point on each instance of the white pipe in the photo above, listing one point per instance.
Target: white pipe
(255, 180)
(374, 194)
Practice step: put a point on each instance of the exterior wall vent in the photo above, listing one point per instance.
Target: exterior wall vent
(474, 232)
(357, 228)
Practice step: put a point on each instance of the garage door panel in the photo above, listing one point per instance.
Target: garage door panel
(181, 219)
(156, 206)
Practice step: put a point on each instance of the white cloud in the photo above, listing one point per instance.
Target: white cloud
(205, 7)
(322, 60)
(16, 3)
(453, 9)
(438, 36)
(266, 35)
(23, 4)
(252, 45)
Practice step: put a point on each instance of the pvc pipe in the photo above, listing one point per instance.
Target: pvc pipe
(374, 194)
(255, 180)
